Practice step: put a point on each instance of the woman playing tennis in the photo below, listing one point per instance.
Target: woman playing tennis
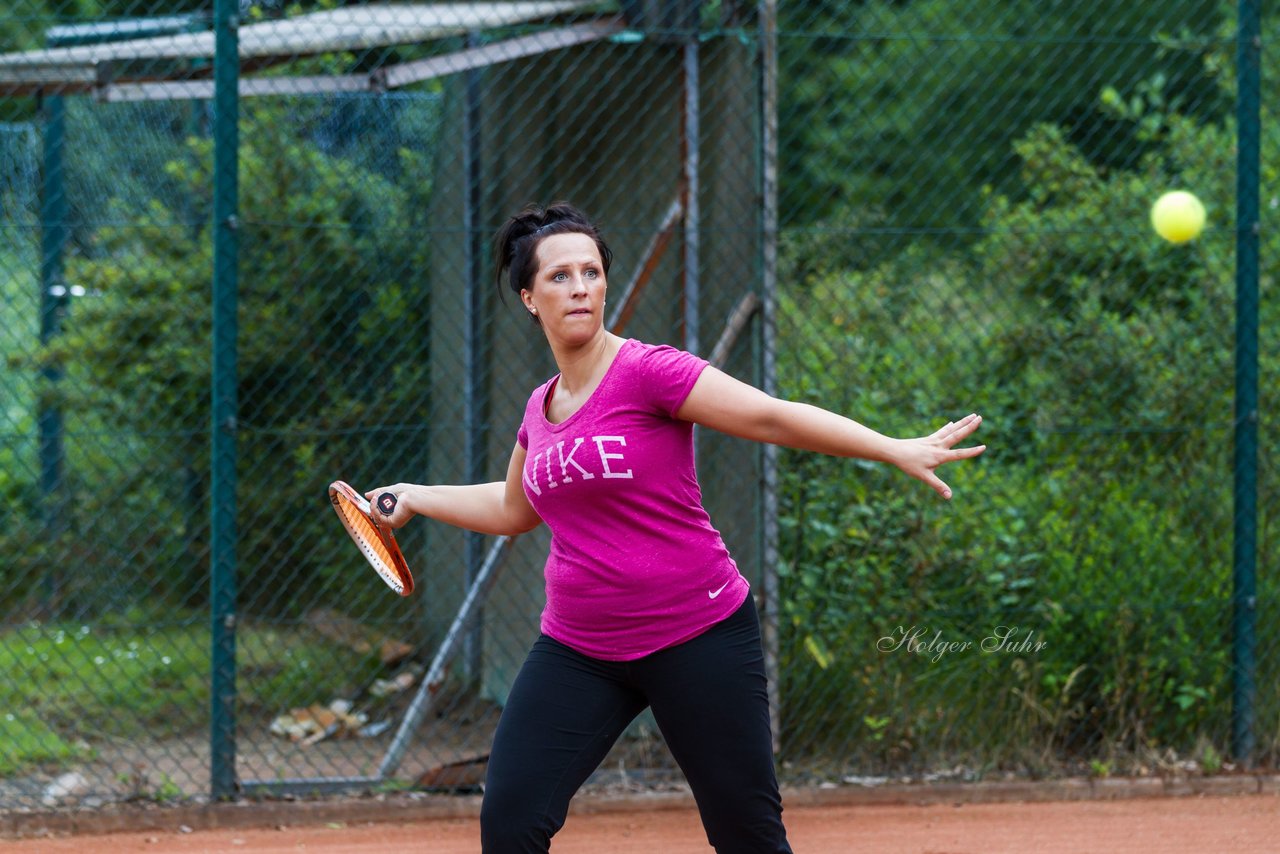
(644, 605)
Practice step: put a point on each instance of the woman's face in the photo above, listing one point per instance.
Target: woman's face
(568, 289)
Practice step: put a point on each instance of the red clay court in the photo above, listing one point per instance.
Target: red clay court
(1191, 824)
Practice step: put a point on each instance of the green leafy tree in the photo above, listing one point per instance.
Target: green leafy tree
(1102, 358)
(331, 265)
(895, 115)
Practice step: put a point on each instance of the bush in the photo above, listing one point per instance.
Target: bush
(1096, 529)
(331, 263)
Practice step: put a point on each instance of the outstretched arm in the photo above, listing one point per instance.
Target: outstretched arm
(499, 508)
(723, 403)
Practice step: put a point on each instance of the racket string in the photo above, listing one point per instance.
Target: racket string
(369, 538)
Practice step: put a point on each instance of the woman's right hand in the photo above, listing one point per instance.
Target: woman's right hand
(499, 507)
(402, 512)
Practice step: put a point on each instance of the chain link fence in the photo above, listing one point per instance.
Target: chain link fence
(964, 201)
(919, 210)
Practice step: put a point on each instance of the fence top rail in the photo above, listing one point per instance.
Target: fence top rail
(351, 28)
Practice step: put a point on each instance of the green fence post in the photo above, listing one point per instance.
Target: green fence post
(53, 302)
(223, 500)
(1244, 597)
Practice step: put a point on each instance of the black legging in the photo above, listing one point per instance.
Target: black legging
(710, 698)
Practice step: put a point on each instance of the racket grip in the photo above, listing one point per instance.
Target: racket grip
(387, 503)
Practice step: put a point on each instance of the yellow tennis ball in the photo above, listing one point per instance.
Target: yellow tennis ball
(1178, 216)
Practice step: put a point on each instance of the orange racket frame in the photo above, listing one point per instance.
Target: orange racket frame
(377, 544)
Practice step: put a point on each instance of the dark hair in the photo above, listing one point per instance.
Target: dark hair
(515, 247)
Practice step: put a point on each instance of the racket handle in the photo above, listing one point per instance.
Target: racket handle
(387, 503)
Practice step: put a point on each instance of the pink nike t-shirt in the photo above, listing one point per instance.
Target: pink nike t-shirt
(635, 564)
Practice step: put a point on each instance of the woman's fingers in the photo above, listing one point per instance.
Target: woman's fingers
(929, 453)
(964, 427)
(966, 453)
(388, 514)
(957, 431)
(938, 486)
(942, 431)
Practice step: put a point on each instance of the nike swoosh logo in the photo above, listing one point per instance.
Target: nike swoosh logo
(712, 595)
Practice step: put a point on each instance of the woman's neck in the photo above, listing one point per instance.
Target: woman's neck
(582, 367)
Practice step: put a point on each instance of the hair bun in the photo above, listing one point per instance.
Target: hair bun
(516, 253)
(518, 227)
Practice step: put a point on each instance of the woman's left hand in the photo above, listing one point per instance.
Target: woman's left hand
(920, 457)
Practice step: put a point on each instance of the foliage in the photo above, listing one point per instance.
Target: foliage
(145, 674)
(28, 740)
(18, 291)
(1099, 523)
(938, 91)
(136, 351)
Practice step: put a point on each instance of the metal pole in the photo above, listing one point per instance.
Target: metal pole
(692, 293)
(226, 143)
(1244, 558)
(55, 300)
(768, 309)
(431, 682)
(476, 403)
(53, 304)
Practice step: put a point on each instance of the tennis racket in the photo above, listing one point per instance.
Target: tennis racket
(376, 543)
